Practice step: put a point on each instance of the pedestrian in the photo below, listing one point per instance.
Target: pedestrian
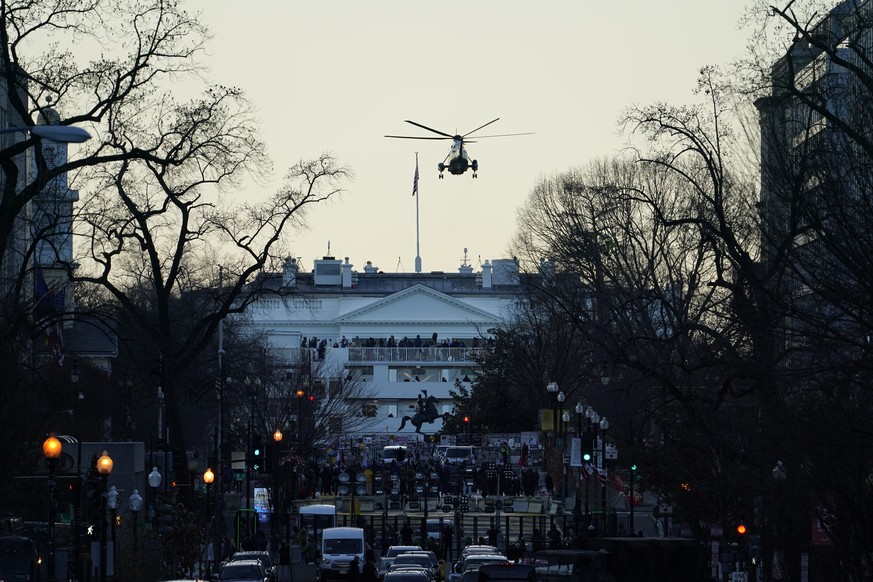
(406, 534)
(369, 574)
(354, 569)
(310, 552)
(554, 538)
(284, 574)
(274, 546)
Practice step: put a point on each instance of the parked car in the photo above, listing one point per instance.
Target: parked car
(433, 560)
(506, 572)
(383, 566)
(407, 574)
(243, 571)
(482, 549)
(473, 562)
(418, 559)
(262, 557)
(395, 551)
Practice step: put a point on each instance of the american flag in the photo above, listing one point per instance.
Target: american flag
(415, 179)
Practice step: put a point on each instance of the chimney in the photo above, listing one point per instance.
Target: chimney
(289, 273)
(347, 274)
(486, 275)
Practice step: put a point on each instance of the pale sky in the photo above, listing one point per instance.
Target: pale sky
(338, 75)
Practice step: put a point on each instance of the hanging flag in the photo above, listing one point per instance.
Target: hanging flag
(415, 180)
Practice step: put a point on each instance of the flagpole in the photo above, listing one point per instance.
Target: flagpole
(417, 238)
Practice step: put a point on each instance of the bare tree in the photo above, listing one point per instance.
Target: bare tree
(153, 227)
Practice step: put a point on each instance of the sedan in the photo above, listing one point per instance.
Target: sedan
(244, 571)
(382, 567)
(418, 559)
(407, 575)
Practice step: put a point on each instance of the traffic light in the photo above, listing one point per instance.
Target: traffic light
(165, 518)
(299, 393)
(257, 454)
(741, 529)
(587, 451)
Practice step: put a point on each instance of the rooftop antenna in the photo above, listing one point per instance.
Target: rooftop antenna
(399, 268)
(479, 261)
(328, 249)
(465, 263)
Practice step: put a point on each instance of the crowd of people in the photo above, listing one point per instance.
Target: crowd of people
(408, 477)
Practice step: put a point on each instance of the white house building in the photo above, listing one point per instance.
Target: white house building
(399, 334)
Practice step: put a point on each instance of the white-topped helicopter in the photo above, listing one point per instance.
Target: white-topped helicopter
(458, 160)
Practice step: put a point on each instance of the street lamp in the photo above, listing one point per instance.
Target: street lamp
(58, 133)
(154, 479)
(112, 504)
(135, 505)
(74, 380)
(51, 449)
(604, 424)
(208, 478)
(565, 417)
(104, 468)
(552, 389)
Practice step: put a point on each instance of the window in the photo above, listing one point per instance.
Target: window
(369, 410)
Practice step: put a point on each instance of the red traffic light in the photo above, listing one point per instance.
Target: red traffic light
(466, 419)
(312, 397)
(741, 529)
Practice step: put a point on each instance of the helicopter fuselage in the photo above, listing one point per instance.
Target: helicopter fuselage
(458, 158)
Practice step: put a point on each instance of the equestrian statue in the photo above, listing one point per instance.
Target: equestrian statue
(426, 413)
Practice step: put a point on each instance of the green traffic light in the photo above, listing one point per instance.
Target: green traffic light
(634, 467)
(586, 457)
(257, 452)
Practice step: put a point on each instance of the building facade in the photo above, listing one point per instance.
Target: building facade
(406, 338)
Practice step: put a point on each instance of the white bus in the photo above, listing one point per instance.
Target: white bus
(317, 518)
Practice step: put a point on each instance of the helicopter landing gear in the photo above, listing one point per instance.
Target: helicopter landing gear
(474, 165)
(441, 167)
(441, 176)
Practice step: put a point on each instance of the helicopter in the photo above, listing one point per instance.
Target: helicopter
(458, 160)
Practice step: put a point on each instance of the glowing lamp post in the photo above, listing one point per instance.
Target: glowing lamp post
(208, 478)
(104, 468)
(51, 449)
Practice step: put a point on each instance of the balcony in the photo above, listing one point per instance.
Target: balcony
(430, 355)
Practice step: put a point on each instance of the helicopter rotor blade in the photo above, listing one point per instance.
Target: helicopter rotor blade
(428, 128)
(416, 137)
(504, 135)
(480, 127)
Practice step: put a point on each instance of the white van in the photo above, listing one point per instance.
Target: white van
(456, 455)
(339, 546)
(317, 518)
(394, 453)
